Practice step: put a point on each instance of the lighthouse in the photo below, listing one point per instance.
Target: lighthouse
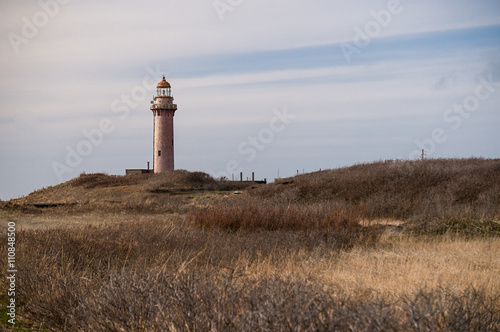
(163, 108)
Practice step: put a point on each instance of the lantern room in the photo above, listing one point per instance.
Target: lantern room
(163, 89)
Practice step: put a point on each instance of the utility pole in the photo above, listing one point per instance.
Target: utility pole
(423, 154)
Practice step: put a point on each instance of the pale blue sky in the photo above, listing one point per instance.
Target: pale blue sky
(231, 72)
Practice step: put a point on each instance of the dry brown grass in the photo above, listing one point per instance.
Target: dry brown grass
(406, 190)
(394, 246)
(434, 196)
(422, 192)
(147, 193)
(164, 274)
(252, 214)
(403, 266)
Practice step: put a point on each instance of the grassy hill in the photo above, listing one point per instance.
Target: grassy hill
(180, 251)
(391, 188)
(431, 195)
(144, 193)
(401, 189)
(427, 193)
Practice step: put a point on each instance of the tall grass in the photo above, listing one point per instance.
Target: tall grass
(157, 276)
(252, 214)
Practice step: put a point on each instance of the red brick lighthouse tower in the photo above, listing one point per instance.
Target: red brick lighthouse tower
(163, 108)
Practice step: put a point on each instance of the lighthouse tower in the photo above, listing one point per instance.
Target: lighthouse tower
(163, 108)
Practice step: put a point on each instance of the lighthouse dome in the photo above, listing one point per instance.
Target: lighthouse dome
(163, 84)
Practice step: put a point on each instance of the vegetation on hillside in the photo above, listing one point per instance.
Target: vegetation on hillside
(433, 196)
(401, 189)
(145, 193)
(180, 251)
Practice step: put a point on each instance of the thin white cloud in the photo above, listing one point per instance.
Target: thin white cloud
(102, 31)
